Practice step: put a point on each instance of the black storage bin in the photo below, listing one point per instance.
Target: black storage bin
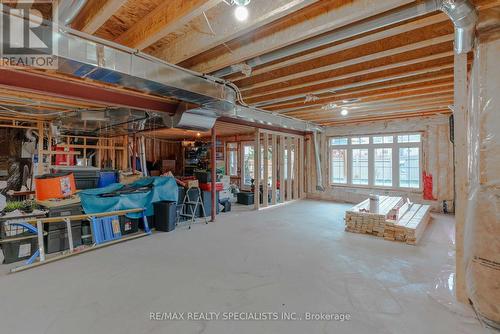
(129, 226)
(62, 211)
(57, 241)
(165, 215)
(245, 198)
(14, 251)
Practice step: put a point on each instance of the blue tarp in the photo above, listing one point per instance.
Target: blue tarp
(163, 189)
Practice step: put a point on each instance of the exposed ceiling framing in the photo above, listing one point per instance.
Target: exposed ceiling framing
(403, 69)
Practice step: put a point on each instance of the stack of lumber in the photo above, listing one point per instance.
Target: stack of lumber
(396, 220)
(360, 220)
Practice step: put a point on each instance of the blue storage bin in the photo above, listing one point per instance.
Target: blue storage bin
(106, 178)
(106, 229)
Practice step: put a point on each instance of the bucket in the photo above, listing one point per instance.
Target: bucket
(51, 186)
(374, 203)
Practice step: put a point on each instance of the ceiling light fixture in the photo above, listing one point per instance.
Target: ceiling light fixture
(344, 112)
(241, 13)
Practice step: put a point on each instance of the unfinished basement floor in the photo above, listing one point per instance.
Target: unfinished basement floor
(293, 258)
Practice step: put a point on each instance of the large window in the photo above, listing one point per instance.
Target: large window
(409, 167)
(360, 166)
(383, 167)
(339, 166)
(390, 161)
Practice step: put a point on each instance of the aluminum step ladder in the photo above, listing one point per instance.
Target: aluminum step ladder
(189, 208)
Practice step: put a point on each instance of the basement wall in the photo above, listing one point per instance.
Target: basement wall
(437, 160)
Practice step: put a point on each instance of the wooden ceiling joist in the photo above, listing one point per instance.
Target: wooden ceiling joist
(357, 70)
(383, 111)
(379, 100)
(399, 85)
(408, 116)
(167, 18)
(374, 95)
(310, 22)
(94, 14)
(223, 28)
(411, 41)
(344, 45)
(435, 65)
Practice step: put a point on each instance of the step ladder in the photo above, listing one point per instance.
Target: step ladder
(189, 208)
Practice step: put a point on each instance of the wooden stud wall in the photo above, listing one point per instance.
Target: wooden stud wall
(281, 145)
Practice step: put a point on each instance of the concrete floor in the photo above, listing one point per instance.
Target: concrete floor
(295, 258)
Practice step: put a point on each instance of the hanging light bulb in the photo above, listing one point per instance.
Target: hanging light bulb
(241, 13)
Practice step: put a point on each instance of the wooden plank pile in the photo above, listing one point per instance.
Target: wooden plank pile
(395, 220)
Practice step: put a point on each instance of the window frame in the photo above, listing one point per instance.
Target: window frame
(371, 146)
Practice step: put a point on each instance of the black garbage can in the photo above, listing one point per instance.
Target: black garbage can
(165, 215)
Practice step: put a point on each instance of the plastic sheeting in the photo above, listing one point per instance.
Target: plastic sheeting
(161, 189)
(482, 226)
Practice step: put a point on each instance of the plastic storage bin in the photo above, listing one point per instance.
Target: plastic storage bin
(57, 240)
(15, 251)
(246, 198)
(85, 177)
(58, 185)
(165, 215)
(107, 177)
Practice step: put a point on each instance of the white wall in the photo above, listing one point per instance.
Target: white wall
(437, 155)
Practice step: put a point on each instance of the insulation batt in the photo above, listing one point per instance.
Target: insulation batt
(482, 229)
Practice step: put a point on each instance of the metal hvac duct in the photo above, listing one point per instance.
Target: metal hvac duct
(68, 10)
(89, 57)
(461, 12)
(464, 16)
(188, 118)
(319, 174)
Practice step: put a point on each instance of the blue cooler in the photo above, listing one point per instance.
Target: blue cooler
(107, 177)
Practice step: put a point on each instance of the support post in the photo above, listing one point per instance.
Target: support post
(301, 167)
(282, 169)
(461, 175)
(256, 160)
(295, 170)
(289, 169)
(265, 188)
(213, 169)
(274, 178)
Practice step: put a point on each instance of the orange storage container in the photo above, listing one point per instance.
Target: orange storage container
(51, 186)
